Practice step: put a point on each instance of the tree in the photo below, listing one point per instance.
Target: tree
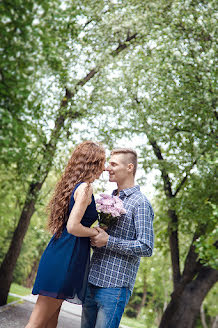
(161, 89)
(167, 97)
(152, 288)
(66, 110)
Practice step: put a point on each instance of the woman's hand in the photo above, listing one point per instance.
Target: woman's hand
(94, 231)
(101, 239)
(104, 228)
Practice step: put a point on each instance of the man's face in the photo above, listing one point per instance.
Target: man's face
(118, 168)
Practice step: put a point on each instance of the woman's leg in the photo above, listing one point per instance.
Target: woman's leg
(43, 311)
(52, 323)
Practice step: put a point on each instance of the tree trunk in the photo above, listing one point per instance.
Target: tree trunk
(183, 309)
(31, 276)
(141, 305)
(215, 322)
(9, 262)
(189, 292)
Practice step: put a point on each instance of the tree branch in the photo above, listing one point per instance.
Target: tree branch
(165, 176)
(95, 20)
(174, 246)
(59, 122)
(177, 130)
(192, 265)
(173, 224)
(184, 179)
(124, 45)
(69, 94)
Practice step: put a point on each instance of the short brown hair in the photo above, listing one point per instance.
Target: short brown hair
(132, 156)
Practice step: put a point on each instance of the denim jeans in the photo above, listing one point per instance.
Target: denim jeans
(104, 307)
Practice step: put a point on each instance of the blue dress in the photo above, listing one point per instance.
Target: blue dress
(63, 268)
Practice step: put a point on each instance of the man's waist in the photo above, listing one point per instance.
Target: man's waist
(100, 282)
(107, 255)
(104, 267)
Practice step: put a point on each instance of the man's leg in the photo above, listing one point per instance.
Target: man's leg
(89, 310)
(110, 304)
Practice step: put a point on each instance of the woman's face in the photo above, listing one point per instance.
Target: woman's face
(99, 172)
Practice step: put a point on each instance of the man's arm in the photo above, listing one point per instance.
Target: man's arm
(142, 245)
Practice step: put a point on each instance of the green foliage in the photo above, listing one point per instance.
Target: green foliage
(37, 236)
(32, 249)
(18, 63)
(19, 290)
(211, 303)
(164, 92)
(11, 299)
(154, 278)
(197, 211)
(206, 244)
(160, 88)
(128, 322)
(12, 194)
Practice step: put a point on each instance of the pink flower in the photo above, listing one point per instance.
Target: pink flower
(110, 208)
(105, 196)
(103, 208)
(98, 201)
(120, 208)
(115, 213)
(118, 200)
(108, 201)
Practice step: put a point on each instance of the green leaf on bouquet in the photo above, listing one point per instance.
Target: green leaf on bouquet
(106, 220)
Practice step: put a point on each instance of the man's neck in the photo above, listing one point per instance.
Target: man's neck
(125, 185)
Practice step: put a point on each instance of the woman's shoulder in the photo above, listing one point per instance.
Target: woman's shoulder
(84, 187)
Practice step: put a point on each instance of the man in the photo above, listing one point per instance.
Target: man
(117, 253)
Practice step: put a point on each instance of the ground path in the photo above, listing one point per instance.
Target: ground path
(16, 314)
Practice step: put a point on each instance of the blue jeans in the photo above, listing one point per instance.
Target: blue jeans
(104, 307)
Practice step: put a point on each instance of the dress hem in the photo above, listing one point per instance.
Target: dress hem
(70, 299)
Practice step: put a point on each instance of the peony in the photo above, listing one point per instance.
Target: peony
(110, 208)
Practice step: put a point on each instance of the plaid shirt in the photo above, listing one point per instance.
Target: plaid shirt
(117, 263)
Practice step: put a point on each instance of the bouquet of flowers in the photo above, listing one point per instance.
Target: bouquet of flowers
(110, 208)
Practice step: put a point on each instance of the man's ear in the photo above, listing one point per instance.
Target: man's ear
(130, 167)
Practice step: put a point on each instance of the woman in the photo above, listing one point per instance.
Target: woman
(63, 268)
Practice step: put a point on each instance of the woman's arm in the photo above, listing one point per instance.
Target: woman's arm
(82, 197)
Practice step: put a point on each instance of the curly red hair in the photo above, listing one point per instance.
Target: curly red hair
(86, 162)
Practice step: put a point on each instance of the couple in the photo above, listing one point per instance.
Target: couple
(104, 286)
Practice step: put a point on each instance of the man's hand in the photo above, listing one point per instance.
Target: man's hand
(101, 239)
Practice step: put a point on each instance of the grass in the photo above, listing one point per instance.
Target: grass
(20, 290)
(133, 323)
(11, 299)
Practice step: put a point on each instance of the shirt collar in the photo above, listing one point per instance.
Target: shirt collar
(126, 192)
